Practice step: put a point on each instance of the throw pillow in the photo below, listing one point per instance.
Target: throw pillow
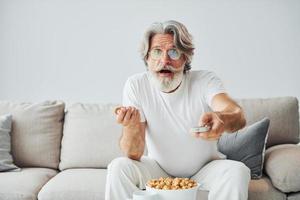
(6, 160)
(247, 145)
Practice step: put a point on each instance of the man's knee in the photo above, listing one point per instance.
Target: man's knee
(238, 170)
(120, 164)
(242, 169)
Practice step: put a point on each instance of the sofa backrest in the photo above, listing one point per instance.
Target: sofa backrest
(36, 132)
(283, 113)
(91, 136)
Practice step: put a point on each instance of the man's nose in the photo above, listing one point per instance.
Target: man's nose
(165, 59)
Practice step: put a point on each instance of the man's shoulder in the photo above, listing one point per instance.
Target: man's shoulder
(138, 77)
(200, 75)
(137, 80)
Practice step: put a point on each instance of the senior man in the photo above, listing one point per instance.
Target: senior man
(159, 108)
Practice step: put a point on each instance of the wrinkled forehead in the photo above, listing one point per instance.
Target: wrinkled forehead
(162, 41)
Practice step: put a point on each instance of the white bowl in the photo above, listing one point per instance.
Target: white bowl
(181, 194)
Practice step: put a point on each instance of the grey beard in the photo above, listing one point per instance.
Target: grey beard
(166, 84)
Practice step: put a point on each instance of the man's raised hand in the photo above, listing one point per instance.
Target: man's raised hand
(127, 116)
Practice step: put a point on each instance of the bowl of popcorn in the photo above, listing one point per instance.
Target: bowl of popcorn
(173, 188)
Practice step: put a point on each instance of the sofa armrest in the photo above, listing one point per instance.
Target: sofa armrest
(282, 165)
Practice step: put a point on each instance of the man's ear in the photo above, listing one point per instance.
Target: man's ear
(146, 64)
(146, 60)
(184, 59)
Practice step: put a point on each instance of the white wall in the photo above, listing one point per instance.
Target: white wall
(84, 50)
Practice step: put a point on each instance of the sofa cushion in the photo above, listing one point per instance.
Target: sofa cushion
(262, 189)
(25, 184)
(6, 160)
(247, 145)
(294, 196)
(91, 136)
(282, 165)
(90, 184)
(283, 113)
(36, 132)
(79, 184)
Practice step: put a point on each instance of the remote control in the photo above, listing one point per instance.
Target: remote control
(200, 129)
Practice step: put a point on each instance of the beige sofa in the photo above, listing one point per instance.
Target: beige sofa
(64, 152)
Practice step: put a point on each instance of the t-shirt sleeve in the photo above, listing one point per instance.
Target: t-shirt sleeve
(131, 98)
(214, 86)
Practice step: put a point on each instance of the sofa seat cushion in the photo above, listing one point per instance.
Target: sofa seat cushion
(82, 184)
(282, 165)
(294, 196)
(79, 184)
(262, 189)
(24, 184)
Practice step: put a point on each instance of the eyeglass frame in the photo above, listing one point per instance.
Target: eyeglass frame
(180, 53)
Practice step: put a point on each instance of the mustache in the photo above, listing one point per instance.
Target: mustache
(160, 67)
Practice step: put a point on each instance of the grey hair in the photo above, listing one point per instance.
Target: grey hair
(182, 39)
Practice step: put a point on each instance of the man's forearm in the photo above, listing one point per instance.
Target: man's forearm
(233, 119)
(132, 143)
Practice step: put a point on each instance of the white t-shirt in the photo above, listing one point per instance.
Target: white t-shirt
(170, 116)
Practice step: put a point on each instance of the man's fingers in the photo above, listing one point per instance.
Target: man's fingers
(138, 115)
(118, 110)
(213, 139)
(205, 119)
(207, 136)
(133, 116)
(216, 126)
(128, 115)
(217, 122)
(121, 115)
